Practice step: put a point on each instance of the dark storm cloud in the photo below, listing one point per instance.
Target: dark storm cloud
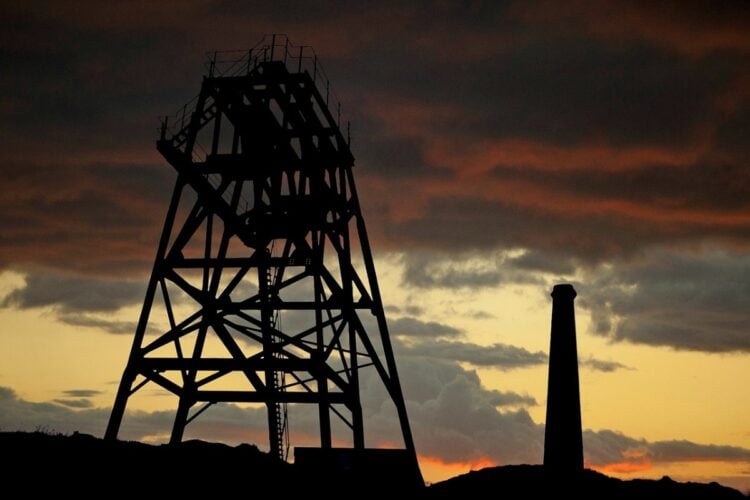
(693, 28)
(73, 294)
(552, 87)
(82, 85)
(78, 86)
(721, 188)
(690, 302)
(456, 221)
(98, 217)
(566, 91)
(390, 155)
(415, 328)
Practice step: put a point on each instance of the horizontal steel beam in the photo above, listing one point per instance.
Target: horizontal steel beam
(228, 364)
(277, 397)
(332, 305)
(236, 262)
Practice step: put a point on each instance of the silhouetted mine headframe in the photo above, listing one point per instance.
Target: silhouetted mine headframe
(264, 276)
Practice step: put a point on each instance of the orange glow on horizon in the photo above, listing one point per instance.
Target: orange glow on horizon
(624, 467)
(435, 469)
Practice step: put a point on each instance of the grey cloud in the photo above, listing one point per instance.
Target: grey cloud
(455, 418)
(428, 270)
(486, 268)
(462, 423)
(74, 403)
(696, 302)
(408, 309)
(501, 356)
(74, 294)
(606, 446)
(480, 269)
(510, 398)
(78, 301)
(19, 414)
(413, 327)
(81, 393)
(480, 315)
(532, 260)
(682, 450)
(88, 321)
(603, 365)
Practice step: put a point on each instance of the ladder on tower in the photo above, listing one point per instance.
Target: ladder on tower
(280, 431)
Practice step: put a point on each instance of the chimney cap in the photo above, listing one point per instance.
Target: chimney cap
(563, 290)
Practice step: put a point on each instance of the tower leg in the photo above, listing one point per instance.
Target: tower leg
(180, 421)
(394, 388)
(118, 410)
(358, 427)
(325, 422)
(126, 384)
(324, 414)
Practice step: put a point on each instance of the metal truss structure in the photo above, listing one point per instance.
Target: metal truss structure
(263, 274)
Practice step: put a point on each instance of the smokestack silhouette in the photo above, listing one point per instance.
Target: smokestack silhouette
(563, 442)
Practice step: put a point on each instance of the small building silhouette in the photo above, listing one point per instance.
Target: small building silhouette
(563, 441)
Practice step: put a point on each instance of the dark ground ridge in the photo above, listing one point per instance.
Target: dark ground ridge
(34, 462)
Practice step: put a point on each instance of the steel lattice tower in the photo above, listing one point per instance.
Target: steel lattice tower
(270, 203)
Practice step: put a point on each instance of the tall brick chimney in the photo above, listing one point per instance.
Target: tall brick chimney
(563, 441)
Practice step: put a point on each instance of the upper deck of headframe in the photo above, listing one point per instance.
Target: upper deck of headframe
(273, 60)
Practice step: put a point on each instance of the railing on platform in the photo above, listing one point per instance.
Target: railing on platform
(233, 63)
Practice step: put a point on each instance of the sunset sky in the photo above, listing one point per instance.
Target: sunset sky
(501, 147)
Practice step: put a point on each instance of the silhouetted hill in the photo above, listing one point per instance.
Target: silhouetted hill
(79, 465)
(532, 481)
